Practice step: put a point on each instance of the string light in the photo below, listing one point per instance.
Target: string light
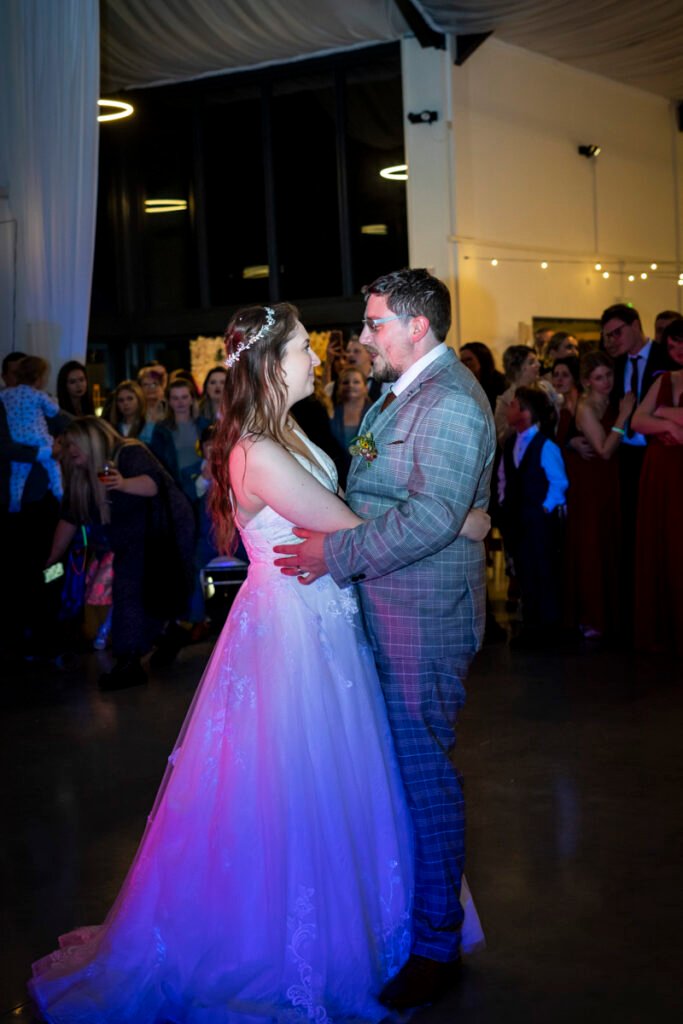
(631, 277)
(598, 266)
(494, 263)
(653, 266)
(605, 274)
(544, 265)
(643, 276)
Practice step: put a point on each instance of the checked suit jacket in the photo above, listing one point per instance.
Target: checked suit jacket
(422, 588)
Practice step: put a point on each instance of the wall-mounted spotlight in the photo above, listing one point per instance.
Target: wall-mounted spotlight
(589, 151)
(424, 117)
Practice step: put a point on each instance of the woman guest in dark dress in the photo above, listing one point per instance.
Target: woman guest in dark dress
(350, 407)
(73, 392)
(478, 358)
(212, 394)
(592, 538)
(127, 413)
(125, 508)
(659, 553)
(566, 380)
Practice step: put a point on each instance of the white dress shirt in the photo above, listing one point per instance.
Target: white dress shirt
(552, 465)
(414, 371)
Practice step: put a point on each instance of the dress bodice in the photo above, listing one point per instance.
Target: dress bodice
(268, 527)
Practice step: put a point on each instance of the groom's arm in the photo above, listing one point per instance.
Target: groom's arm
(453, 456)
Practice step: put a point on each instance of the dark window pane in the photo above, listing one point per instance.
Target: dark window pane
(165, 172)
(235, 191)
(305, 160)
(379, 238)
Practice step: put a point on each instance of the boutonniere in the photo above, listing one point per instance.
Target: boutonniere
(364, 445)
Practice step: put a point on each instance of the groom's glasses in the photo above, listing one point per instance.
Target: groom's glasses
(373, 323)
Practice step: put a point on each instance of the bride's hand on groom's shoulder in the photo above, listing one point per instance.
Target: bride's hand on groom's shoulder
(305, 560)
(476, 525)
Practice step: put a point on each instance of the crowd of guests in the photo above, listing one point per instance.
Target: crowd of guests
(588, 482)
(103, 517)
(586, 493)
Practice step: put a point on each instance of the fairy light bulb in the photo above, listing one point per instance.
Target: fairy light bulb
(643, 276)
(653, 266)
(598, 266)
(605, 274)
(544, 265)
(494, 263)
(631, 277)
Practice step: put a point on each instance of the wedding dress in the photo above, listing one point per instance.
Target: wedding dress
(273, 880)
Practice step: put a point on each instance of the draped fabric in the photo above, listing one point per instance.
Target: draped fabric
(633, 42)
(151, 41)
(49, 83)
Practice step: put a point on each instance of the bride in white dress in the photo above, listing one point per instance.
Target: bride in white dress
(273, 880)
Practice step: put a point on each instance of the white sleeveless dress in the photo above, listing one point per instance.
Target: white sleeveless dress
(273, 880)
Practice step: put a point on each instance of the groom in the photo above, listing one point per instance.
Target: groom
(430, 443)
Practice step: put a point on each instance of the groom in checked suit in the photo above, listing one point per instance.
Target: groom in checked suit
(421, 586)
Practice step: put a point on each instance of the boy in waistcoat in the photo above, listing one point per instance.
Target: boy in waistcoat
(532, 484)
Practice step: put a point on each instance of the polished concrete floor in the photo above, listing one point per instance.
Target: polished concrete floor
(573, 779)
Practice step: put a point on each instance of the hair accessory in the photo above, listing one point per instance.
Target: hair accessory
(244, 345)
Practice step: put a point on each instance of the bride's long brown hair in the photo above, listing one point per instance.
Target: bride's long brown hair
(254, 399)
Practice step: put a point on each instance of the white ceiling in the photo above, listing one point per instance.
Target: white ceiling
(638, 42)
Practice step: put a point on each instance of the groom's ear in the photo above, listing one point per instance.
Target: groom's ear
(419, 327)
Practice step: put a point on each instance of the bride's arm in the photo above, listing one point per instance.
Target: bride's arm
(264, 473)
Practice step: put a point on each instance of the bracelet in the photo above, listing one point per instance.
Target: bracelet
(618, 430)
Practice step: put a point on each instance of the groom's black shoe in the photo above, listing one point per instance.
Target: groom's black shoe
(420, 981)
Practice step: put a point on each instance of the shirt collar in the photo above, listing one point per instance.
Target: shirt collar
(416, 369)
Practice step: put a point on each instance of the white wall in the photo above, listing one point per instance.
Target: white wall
(506, 181)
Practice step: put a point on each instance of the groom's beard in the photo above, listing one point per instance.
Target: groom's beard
(385, 374)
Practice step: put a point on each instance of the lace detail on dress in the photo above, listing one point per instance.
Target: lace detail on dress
(302, 927)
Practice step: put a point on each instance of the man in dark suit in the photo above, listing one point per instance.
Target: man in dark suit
(638, 360)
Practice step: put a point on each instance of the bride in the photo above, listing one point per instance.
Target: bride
(273, 880)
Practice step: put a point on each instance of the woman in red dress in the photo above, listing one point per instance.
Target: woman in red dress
(659, 555)
(592, 538)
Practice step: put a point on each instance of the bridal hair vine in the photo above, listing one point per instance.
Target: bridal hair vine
(247, 343)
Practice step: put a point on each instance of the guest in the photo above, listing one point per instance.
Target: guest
(663, 320)
(478, 358)
(333, 363)
(182, 374)
(352, 404)
(592, 571)
(522, 368)
(9, 366)
(28, 610)
(73, 393)
(127, 413)
(532, 484)
(358, 357)
(153, 379)
(212, 394)
(28, 409)
(542, 336)
(566, 381)
(637, 361)
(186, 428)
(659, 555)
(126, 510)
(561, 345)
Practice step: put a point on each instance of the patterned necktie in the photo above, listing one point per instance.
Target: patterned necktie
(388, 399)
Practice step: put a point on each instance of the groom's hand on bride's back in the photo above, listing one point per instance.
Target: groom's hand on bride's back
(305, 560)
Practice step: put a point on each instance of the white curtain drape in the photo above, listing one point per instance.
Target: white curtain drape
(49, 85)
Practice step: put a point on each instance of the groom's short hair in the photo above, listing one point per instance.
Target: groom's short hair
(415, 293)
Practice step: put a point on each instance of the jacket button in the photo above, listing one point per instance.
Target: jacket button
(356, 579)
